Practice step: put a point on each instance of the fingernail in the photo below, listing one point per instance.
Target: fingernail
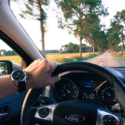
(59, 77)
(57, 63)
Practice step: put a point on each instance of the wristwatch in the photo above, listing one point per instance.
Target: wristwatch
(19, 78)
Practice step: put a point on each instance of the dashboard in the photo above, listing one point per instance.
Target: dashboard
(84, 86)
(88, 86)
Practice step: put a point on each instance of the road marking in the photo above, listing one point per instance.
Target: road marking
(100, 64)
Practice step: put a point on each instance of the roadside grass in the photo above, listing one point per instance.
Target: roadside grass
(121, 57)
(73, 58)
(61, 58)
(91, 56)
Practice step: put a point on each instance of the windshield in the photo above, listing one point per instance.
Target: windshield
(75, 30)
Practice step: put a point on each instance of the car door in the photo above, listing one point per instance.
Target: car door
(10, 106)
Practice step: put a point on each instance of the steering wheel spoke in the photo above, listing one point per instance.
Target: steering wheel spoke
(106, 118)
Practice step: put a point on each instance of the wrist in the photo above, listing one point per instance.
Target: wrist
(12, 84)
(29, 81)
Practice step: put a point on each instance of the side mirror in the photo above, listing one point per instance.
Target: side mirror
(6, 67)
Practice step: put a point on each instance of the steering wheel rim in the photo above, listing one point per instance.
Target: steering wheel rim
(28, 111)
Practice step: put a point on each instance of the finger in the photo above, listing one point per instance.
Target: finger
(54, 65)
(39, 61)
(35, 62)
(55, 79)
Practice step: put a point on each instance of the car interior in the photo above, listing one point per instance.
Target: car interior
(87, 94)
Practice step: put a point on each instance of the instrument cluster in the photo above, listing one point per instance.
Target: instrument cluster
(92, 90)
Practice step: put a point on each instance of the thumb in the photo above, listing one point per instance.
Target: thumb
(55, 79)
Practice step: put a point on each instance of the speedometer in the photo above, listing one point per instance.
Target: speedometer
(69, 91)
(107, 95)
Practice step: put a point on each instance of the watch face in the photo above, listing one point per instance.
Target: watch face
(18, 75)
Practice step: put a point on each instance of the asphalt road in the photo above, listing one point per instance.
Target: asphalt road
(107, 59)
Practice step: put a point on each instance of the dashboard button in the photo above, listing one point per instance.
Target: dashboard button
(85, 96)
(92, 96)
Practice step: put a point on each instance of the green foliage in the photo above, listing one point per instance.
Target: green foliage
(122, 16)
(72, 48)
(115, 32)
(34, 9)
(76, 58)
(91, 56)
(81, 18)
(7, 53)
(65, 60)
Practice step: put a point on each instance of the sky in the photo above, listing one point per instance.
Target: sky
(55, 37)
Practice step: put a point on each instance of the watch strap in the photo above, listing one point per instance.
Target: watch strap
(21, 87)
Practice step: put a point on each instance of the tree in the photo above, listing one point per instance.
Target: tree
(93, 27)
(101, 41)
(95, 35)
(92, 30)
(120, 17)
(34, 9)
(72, 48)
(72, 9)
(113, 36)
(115, 32)
(75, 12)
(92, 21)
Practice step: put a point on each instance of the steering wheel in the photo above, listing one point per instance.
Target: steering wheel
(76, 112)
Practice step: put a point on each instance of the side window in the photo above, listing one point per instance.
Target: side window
(7, 53)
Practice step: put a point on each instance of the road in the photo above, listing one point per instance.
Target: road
(107, 59)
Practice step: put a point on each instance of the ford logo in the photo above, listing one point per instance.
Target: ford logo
(74, 118)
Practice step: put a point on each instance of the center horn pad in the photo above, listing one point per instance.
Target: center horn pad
(75, 113)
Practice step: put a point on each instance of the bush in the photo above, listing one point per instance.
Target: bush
(75, 60)
(65, 60)
(120, 54)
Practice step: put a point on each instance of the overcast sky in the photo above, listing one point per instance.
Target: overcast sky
(55, 37)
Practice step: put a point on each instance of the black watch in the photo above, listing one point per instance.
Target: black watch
(19, 78)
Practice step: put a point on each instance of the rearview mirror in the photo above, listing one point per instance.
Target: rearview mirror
(6, 67)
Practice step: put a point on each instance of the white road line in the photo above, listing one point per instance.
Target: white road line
(100, 64)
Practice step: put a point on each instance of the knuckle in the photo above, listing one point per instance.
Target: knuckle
(45, 61)
(59, 77)
(49, 67)
(56, 63)
(39, 60)
(50, 82)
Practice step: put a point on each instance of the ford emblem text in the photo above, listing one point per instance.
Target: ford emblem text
(74, 118)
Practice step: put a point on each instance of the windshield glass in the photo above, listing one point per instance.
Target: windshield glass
(75, 30)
